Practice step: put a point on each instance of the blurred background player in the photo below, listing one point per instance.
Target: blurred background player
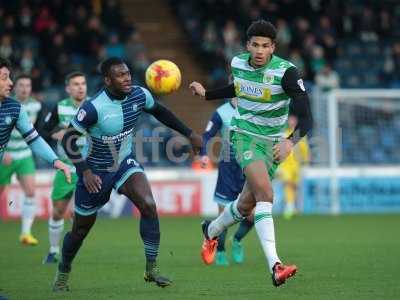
(230, 179)
(56, 123)
(289, 170)
(18, 159)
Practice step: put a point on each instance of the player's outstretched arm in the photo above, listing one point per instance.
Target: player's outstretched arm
(38, 145)
(219, 93)
(58, 164)
(169, 119)
(43, 150)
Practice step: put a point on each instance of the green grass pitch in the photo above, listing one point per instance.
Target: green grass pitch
(346, 257)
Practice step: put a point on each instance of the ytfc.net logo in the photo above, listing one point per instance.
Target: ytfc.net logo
(162, 146)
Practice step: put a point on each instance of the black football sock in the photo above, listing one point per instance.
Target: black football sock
(71, 245)
(150, 233)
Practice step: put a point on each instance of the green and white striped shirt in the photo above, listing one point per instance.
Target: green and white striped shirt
(17, 147)
(66, 110)
(263, 105)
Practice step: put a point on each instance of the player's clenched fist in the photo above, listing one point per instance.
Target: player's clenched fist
(197, 89)
(196, 140)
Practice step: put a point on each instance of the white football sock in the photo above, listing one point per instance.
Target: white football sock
(229, 216)
(28, 214)
(266, 233)
(56, 229)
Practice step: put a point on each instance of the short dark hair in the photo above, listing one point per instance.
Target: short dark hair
(106, 65)
(5, 63)
(23, 76)
(261, 28)
(73, 75)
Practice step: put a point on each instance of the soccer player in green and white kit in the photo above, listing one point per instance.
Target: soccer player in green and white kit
(56, 123)
(18, 159)
(264, 85)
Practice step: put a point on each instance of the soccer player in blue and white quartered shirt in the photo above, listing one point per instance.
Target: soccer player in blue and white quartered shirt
(108, 120)
(13, 115)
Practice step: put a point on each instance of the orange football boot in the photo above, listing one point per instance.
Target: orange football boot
(209, 246)
(281, 273)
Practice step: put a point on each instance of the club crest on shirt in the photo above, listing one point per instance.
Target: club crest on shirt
(134, 107)
(268, 78)
(240, 73)
(81, 115)
(132, 161)
(284, 64)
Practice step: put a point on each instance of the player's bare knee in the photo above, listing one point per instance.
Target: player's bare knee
(30, 194)
(148, 208)
(245, 208)
(58, 210)
(57, 214)
(264, 195)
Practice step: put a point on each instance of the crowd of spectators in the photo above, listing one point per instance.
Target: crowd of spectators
(311, 34)
(49, 39)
